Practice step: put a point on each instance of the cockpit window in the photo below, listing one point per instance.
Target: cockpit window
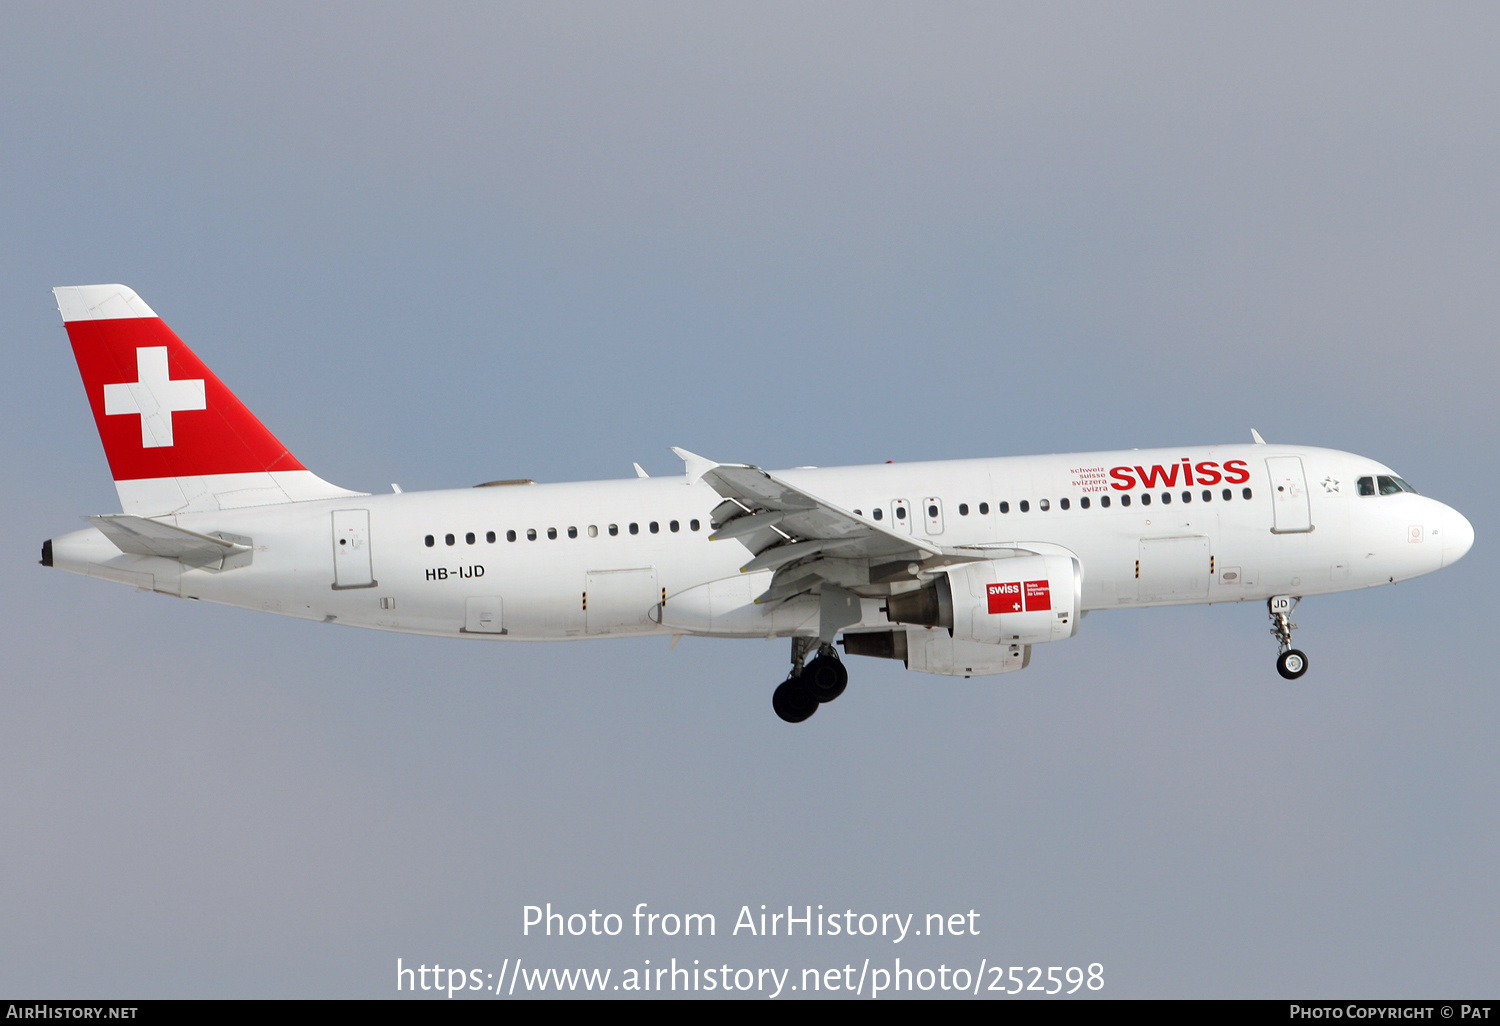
(1367, 486)
(1392, 485)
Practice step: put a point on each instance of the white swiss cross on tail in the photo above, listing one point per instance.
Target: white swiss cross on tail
(155, 396)
(223, 457)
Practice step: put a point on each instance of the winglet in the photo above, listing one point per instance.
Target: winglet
(640, 471)
(1256, 435)
(695, 466)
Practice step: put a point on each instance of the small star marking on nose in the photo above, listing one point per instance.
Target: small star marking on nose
(1330, 484)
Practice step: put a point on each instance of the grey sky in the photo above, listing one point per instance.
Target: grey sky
(451, 244)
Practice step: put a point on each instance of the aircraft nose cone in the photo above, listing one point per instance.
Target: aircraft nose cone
(1458, 536)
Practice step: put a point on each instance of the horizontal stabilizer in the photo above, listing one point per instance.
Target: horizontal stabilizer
(141, 536)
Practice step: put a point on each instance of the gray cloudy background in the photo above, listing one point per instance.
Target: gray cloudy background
(444, 244)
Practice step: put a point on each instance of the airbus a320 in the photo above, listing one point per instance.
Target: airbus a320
(958, 567)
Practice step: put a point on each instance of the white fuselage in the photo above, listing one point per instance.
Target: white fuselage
(633, 556)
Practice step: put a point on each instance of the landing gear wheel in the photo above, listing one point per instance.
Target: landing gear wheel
(825, 677)
(794, 701)
(1291, 664)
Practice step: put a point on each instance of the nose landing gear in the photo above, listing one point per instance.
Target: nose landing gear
(1291, 663)
(822, 679)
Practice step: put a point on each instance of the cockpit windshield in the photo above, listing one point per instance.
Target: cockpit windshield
(1384, 484)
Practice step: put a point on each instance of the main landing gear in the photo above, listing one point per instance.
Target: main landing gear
(822, 679)
(1291, 663)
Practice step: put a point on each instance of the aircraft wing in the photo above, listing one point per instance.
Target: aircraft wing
(802, 537)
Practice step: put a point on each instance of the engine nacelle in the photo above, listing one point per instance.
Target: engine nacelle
(1024, 600)
(932, 650)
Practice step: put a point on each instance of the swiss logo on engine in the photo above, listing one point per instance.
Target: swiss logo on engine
(1038, 596)
(1005, 598)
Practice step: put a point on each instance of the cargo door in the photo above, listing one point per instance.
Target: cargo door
(1291, 512)
(619, 601)
(351, 549)
(1173, 569)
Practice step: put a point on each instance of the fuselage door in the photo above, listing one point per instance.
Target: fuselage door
(1174, 569)
(1291, 513)
(482, 616)
(351, 549)
(901, 516)
(933, 508)
(619, 601)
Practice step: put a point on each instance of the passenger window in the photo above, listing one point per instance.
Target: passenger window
(448, 539)
(572, 532)
(1125, 500)
(1063, 503)
(963, 509)
(1208, 495)
(1166, 498)
(984, 509)
(552, 534)
(858, 513)
(469, 538)
(932, 511)
(673, 527)
(635, 528)
(692, 525)
(1044, 505)
(655, 527)
(1367, 486)
(593, 530)
(1245, 492)
(531, 534)
(1187, 496)
(1145, 498)
(879, 513)
(1025, 505)
(1228, 495)
(489, 536)
(510, 536)
(614, 529)
(900, 512)
(430, 540)
(1084, 502)
(1104, 501)
(1005, 507)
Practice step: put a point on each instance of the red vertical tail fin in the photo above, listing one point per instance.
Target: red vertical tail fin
(176, 438)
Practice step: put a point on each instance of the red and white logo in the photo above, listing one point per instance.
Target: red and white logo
(154, 396)
(1015, 597)
(190, 423)
(1038, 596)
(1004, 598)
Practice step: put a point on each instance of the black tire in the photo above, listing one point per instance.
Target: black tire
(1291, 664)
(825, 677)
(793, 701)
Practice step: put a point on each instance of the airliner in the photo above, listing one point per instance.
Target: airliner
(956, 567)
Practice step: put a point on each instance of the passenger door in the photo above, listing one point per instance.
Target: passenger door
(351, 549)
(1290, 511)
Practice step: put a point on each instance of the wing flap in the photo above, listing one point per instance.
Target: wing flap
(804, 518)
